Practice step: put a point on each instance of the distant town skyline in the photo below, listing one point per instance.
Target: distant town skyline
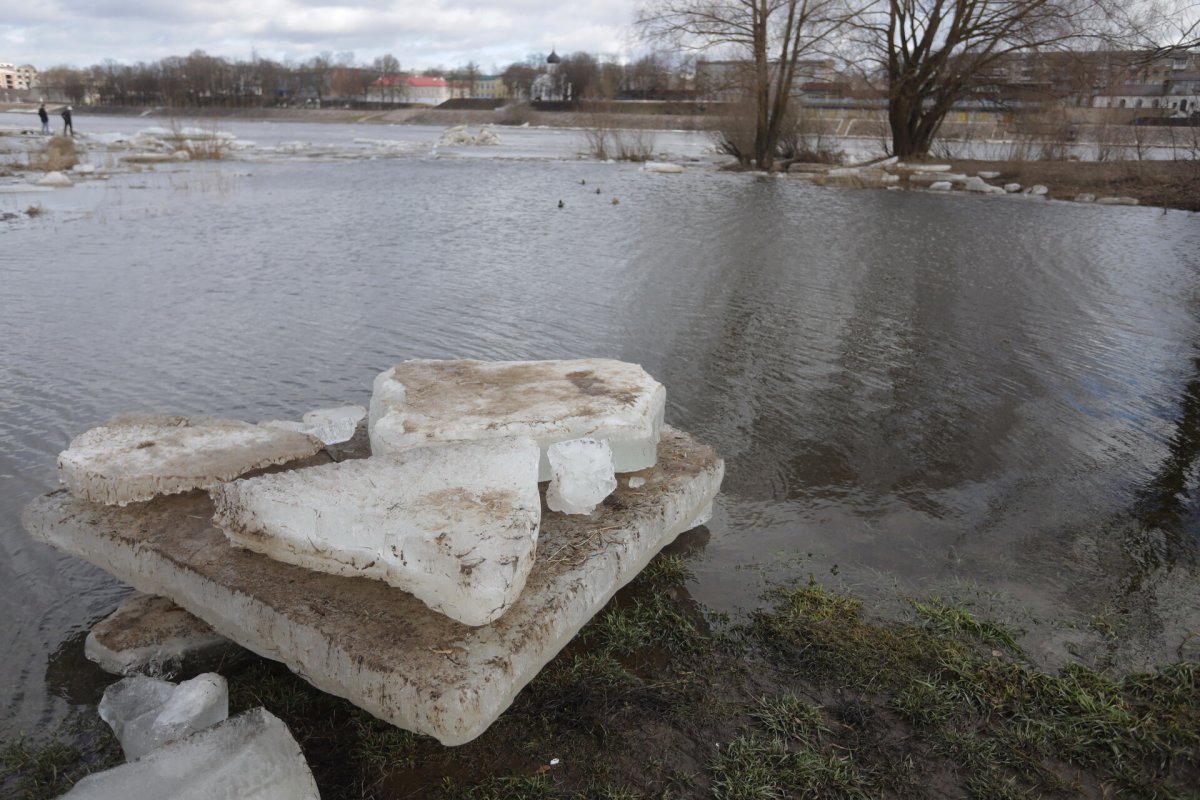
(446, 33)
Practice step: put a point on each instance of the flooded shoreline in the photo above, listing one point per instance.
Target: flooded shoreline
(985, 400)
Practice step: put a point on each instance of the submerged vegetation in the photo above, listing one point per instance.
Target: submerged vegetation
(804, 698)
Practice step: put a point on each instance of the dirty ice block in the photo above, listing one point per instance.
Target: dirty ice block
(150, 635)
(421, 402)
(135, 457)
(455, 525)
(250, 757)
(378, 647)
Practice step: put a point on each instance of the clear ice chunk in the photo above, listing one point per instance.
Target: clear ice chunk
(137, 457)
(419, 403)
(250, 757)
(330, 425)
(455, 525)
(581, 475)
(146, 713)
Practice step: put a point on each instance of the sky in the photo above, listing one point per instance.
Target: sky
(420, 33)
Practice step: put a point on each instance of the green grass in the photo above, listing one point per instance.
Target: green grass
(808, 697)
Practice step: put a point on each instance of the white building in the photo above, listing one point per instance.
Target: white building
(17, 78)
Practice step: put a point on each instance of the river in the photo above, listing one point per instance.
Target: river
(989, 399)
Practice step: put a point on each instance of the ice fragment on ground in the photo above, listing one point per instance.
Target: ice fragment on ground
(581, 475)
(250, 757)
(418, 403)
(455, 525)
(145, 713)
(55, 179)
(330, 425)
(1012, 188)
(1038, 190)
(150, 635)
(637, 482)
(662, 166)
(941, 186)
(139, 456)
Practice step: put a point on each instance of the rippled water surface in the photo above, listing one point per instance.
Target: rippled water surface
(988, 399)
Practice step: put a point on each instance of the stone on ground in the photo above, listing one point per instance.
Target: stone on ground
(136, 457)
(150, 635)
(376, 646)
(1038, 190)
(455, 525)
(146, 713)
(250, 757)
(581, 475)
(330, 425)
(424, 402)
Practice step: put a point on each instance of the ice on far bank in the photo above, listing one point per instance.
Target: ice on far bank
(145, 713)
(581, 475)
(419, 403)
(455, 525)
(137, 457)
(330, 425)
(662, 166)
(250, 757)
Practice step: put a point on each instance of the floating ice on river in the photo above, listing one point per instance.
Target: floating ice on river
(250, 757)
(136, 457)
(455, 525)
(581, 475)
(145, 713)
(419, 403)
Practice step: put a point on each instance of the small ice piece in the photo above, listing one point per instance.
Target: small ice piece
(581, 475)
(330, 425)
(140, 456)
(250, 757)
(145, 713)
(150, 635)
(455, 525)
(420, 403)
(636, 482)
(941, 186)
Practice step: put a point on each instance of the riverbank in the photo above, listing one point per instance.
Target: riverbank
(802, 697)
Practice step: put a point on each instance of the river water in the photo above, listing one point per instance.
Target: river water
(988, 399)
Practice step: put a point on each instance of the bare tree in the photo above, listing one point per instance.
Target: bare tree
(935, 53)
(769, 36)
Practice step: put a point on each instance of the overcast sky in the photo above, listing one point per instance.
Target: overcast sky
(420, 33)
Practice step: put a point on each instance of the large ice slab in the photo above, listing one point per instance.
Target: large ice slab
(456, 525)
(135, 457)
(371, 643)
(250, 757)
(153, 636)
(146, 713)
(422, 402)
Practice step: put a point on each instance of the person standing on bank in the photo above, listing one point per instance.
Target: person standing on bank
(67, 126)
(45, 118)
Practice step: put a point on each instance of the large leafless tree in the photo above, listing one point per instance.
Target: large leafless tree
(935, 53)
(770, 36)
